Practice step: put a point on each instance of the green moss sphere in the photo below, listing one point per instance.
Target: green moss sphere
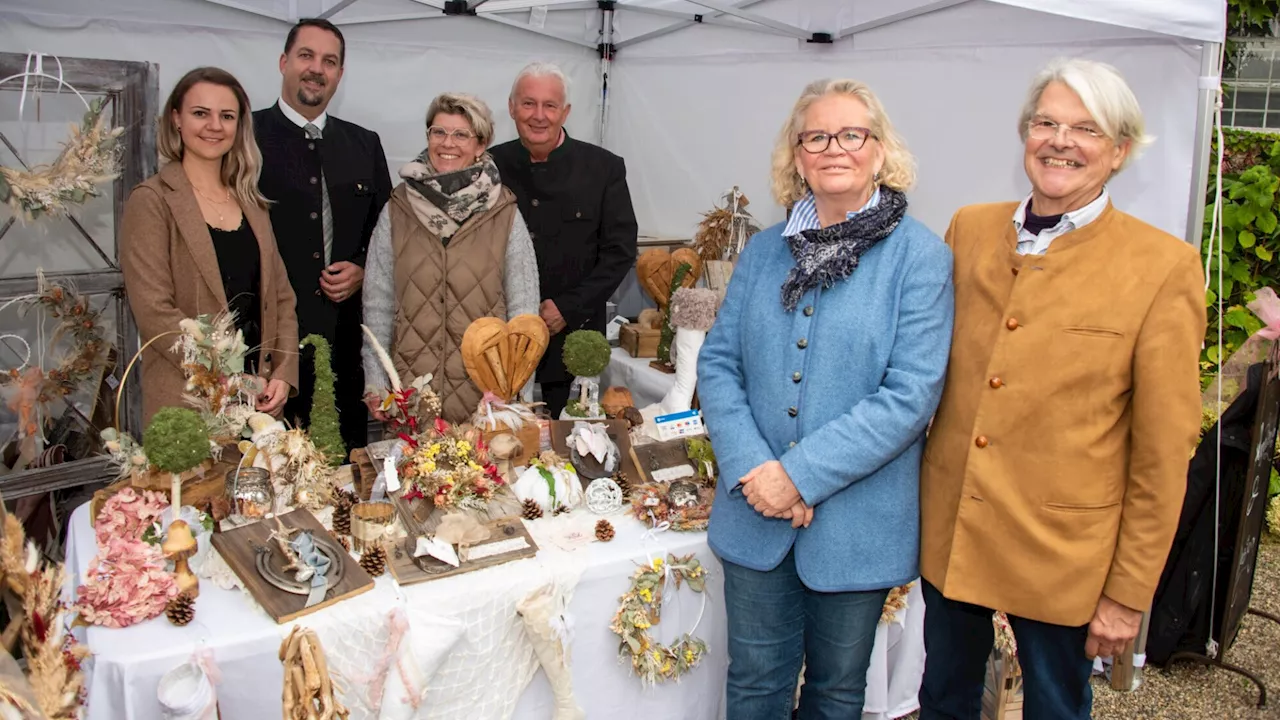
(586, 353)
(176, 440)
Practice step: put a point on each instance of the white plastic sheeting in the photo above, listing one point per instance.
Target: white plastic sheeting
(697, 110)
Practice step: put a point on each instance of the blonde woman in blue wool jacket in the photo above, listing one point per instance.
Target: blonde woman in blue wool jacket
(817, 384)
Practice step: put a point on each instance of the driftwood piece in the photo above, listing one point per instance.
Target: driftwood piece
(309, 691)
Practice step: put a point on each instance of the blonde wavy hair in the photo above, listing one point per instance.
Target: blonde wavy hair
(898, 172)
(243, 162)
(470, 107)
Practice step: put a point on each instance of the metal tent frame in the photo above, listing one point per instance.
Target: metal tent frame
(736, 14)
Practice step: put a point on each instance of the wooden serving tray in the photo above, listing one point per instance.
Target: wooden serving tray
(619, 431)
(407, 572)
(237, 549)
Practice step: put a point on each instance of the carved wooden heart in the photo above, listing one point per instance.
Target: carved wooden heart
(655, 268)
(500, 357)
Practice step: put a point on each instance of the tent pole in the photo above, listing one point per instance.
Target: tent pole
(1206, 111)
(606, 60)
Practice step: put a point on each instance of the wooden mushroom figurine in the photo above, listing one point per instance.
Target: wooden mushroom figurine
(176, 441)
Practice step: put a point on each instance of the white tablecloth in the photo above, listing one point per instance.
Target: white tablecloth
(128, 663)
(647, 385)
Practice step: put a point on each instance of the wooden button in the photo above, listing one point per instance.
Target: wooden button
(1012, 323)
(981, 441)
(996, 383)
(1015, 270)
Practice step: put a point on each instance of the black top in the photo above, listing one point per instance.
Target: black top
(579, 213)
(1034, 224)
(240, 265)
(355, 171)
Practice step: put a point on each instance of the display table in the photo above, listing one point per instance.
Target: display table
(647, 385)
(127, 663)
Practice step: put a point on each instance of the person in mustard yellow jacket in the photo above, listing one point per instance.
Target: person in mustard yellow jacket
(1054, 471)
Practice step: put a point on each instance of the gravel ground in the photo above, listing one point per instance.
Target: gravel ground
(1189, 692)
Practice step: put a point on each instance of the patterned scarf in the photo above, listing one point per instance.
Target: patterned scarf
(444, 201)
(826, 255)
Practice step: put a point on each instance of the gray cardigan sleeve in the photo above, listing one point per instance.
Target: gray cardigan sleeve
(520, 281)
(379, 301)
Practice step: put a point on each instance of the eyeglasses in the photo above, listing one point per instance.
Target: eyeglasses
(850, 139)
(439, 134)
(1044, 129)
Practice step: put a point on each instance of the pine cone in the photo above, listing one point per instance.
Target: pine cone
(341, 520)
(344, 498)
(345, 542)
(374, 560)
(560, 510)
(531, 510)
(604, 531)
(623, 482)
(181, 609)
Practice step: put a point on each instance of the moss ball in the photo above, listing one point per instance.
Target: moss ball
(586, 353)
(176, 440)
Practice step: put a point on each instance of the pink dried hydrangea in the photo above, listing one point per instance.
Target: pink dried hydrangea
(128, 584)
(127, 515)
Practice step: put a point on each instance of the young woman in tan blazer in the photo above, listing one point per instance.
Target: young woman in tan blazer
(196, 239)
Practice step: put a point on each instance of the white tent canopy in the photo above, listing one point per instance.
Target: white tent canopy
(694, 107)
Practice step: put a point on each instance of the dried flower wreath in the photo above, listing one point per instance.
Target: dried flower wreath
(89, 159)
(29, 389)
(641, 608)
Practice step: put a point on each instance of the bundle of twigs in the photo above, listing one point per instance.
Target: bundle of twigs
(309, 691)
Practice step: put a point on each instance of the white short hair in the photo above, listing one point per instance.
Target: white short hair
(1105, 95)
(542, 69)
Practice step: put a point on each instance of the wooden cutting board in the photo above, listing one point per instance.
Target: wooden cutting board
(237, 549)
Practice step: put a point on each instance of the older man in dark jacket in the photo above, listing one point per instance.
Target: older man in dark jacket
(574, 197)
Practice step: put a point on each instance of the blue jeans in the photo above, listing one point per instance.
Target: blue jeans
(775, 624)
(957, 640)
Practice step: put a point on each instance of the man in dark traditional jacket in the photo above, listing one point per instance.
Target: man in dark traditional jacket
(574, 198)
(327, 180)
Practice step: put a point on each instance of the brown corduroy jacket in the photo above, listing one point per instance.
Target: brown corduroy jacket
(1056, 465)
(171, 273)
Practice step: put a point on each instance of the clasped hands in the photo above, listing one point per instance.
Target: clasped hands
(770, 491)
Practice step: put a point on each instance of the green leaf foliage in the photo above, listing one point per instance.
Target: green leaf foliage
(1250, 233)
(325, 431)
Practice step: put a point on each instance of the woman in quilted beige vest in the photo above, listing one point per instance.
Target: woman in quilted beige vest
(450, 247)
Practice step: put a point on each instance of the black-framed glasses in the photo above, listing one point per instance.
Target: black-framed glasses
(850, 139)
(439, 134)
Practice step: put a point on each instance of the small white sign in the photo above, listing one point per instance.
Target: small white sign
(437, 549)
(389, 472)
(481, 552)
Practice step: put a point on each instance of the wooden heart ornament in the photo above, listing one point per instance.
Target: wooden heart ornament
(500, 357)
(655, 268)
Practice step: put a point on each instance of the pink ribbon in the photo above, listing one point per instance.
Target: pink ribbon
(399, 625)
(1267, 307)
